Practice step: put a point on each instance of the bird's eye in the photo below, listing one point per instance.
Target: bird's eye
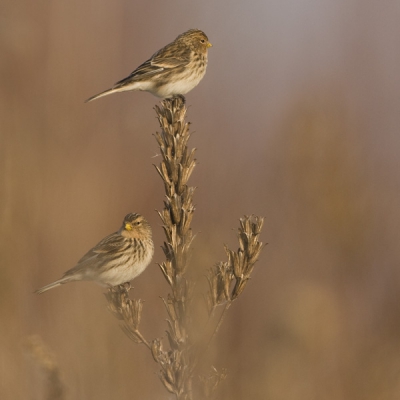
(137, 223)
(202, 41)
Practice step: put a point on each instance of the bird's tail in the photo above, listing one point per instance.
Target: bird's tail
(102, 94)
(61, 281)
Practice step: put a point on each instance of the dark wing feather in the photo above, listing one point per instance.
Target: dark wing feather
(110, 245)
(113, 243)
(146, 69)
(168, 57)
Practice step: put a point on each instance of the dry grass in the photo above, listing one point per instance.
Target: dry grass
(179, 355)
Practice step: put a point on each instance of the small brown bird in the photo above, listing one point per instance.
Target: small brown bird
(174, 70)
(118, 258)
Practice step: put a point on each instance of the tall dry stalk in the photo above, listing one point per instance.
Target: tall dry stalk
(227, 280)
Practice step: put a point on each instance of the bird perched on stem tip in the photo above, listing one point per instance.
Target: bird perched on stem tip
(174, 70)
(118, 258)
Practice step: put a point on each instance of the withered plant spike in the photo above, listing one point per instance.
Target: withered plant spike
(175, 169)
(227, 280)
(242, 261)
(238, 269)
(127, 310)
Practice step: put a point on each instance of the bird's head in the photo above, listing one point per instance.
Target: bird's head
(135, 226)
(196, 39)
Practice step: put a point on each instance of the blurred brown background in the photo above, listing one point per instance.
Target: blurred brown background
(297, 120)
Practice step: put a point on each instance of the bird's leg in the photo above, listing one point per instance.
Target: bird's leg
(182, 97)
(177, 96)
(128, 286)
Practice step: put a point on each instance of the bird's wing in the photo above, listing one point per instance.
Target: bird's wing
(162, 60)
(113, 243)
(171, 57)
(143, 71)
(170, 62)
(109, 246)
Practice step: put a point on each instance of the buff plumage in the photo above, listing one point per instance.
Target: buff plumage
(118, 258)
(172, 71)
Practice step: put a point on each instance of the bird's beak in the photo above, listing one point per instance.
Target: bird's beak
(128, 227)
(209, 44)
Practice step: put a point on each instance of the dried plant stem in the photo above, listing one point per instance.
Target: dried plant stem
(220, 320)
(137, 337)
(227, 280)
(175, 169)
(127, 310)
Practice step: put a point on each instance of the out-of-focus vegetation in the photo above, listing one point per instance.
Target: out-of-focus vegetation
(297, 120)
